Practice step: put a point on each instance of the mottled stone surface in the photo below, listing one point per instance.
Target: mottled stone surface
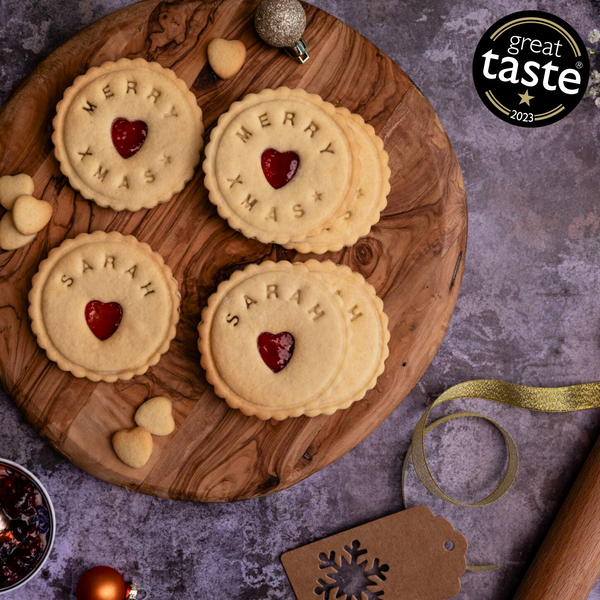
(528, 312)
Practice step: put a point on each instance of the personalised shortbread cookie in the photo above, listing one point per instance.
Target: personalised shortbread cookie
(367, 349)
(370, 196)
(281, 165)
(128, 134)
(273, 339)
(104, 306)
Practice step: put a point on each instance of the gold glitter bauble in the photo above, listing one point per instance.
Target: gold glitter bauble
(280, 23)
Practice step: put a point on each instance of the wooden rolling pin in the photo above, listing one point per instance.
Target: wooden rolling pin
(567, 564)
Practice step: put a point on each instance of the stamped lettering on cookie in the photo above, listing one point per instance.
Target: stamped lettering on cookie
(370, 195)
(104, 306)
(368, 345)
(100, 262)
(273, 339)
(281, 165)
(271, 292)
(106, 132)
(128, 137)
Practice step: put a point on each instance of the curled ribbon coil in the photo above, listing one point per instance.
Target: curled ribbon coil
(561, 399)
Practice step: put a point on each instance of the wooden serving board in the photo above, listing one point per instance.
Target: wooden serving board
(413, 257)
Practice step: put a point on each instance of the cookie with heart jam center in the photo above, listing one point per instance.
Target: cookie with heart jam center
(273, 340)
(281, 165)
(104, 306)
(128, 134)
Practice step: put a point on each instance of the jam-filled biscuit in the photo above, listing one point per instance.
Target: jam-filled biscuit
(128, 134)
(281, 165)
(273, 339)
(104, 306)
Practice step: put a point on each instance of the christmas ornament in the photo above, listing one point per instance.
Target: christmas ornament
(105, 583)
(281, 23)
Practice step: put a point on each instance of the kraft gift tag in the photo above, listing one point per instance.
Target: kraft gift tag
(411, 555)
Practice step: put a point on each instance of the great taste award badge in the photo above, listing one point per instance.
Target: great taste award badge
(531, 68)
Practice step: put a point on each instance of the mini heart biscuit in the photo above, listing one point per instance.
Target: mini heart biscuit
(226, 57)
(133, 446)
(156, 415)
(13, 186)
(10, 238)
(31, 215)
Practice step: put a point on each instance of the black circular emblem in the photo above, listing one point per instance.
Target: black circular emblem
(531, 68)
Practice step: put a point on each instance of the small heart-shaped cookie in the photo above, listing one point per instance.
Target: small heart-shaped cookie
(226, 57)
(156, 415)
(10, 238)
(13, 186)
(133, 446)
(31, 215)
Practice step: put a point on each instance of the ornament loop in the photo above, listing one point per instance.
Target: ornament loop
(136, 593)
(299, 51)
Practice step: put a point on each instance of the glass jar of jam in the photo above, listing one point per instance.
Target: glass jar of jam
(26, 525)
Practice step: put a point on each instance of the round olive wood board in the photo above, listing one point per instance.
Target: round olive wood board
(413, 257)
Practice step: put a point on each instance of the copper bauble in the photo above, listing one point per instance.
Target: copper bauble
(101, 583)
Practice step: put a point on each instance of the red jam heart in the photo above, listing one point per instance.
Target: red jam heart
(103, 319)
(276, 350)
(279, 167)
(128, 136)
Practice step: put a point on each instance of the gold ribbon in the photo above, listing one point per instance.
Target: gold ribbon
(561, 399)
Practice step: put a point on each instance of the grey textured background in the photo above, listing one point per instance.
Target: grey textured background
(527, 313)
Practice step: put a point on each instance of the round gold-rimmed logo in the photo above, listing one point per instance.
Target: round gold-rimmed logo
(531, 68)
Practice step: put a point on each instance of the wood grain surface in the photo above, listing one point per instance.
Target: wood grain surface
(413, 257)
(567, 565)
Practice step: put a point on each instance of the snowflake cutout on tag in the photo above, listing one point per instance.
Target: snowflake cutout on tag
(350, 578)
